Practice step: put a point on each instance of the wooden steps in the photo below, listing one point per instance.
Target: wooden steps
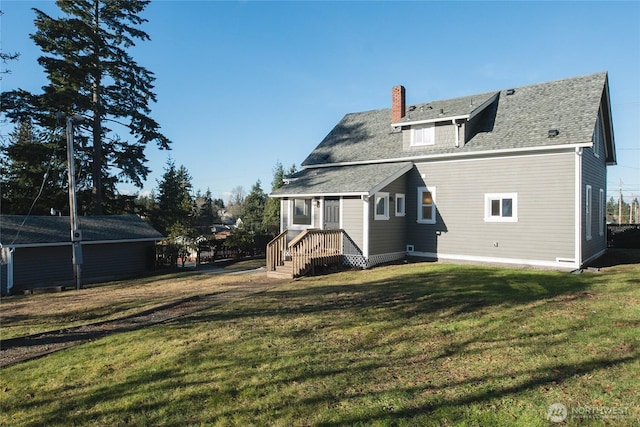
(282, 271)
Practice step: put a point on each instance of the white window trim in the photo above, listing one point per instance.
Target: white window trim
(601, 216)
(403, 211)
(434, 217)
(292, 225)
(488, 197)
(588, 213)
(385, 216)
(598, 137)
(429, 129)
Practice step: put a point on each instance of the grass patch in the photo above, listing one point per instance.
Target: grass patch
(419, 344)
(249, 264)
(22, 315)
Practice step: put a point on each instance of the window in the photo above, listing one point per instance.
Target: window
(601, 214)
(501, 207)
(598, 137)
(302, 211)
(427, 205)
(400, 206)
(587, 212)
(382, 206)
(423, 135)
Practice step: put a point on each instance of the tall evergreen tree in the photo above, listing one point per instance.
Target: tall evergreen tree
(33, 174)
(252, 212)
(91, 73)
(207, 213)
(174, 204)
(271, 220)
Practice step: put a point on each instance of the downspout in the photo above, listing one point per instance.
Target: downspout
(456, 129)
(578, 208)
(365, 229)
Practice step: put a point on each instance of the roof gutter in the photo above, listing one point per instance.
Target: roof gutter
(308, 195)
(84, 243)
(436, 120)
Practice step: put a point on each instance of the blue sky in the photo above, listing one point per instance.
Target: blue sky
(243, 85)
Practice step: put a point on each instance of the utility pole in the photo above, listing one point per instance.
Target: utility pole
(76, 234)
(620, 203)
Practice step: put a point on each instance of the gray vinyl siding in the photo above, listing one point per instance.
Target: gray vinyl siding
(3, 279)
(43, 266)
(49, 266)
(545, 185)
(388, 236)
(445, 136)
(594, 173)
(352, 221)
(117, 259)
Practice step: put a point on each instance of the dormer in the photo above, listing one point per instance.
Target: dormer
(438, 124)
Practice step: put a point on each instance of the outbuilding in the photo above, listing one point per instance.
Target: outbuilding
(36, 251)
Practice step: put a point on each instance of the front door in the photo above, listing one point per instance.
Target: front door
(331, 214)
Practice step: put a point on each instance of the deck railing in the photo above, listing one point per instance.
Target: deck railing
(309, 249)
(313, 248)
(276, 251)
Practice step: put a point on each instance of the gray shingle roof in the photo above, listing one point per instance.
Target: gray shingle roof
(42, 230)
(358, 179)
(521, 120)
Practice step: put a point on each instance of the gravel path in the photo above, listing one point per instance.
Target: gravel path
(20, 349)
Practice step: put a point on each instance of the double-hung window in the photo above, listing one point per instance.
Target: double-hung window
(501, 207)
(426, 205)
(423, 135)
(400, 205)
(598, 137)
(302, 211)
(382, 206)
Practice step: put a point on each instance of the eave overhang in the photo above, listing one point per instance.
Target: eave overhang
(458, 155)
(83, 242)
(354, 180)
(453, 118)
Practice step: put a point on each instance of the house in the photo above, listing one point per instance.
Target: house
(37, 250)
(512, 176)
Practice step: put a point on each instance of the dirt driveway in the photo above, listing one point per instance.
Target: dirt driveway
(19, 349)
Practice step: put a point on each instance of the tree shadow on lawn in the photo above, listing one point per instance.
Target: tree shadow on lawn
(454, 290)
(451, 292)
(401, 295)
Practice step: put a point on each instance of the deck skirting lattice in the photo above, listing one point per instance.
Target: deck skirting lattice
(360, 261)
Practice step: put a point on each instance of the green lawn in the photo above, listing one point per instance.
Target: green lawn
(417, 344)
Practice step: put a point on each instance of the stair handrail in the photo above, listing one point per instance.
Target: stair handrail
(276, 251)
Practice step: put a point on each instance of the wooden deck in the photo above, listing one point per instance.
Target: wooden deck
(310, 249)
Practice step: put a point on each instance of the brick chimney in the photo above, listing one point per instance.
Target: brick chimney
(398, 107)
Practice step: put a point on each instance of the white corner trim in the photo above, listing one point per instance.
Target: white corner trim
(578, 206)
(365, 227)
